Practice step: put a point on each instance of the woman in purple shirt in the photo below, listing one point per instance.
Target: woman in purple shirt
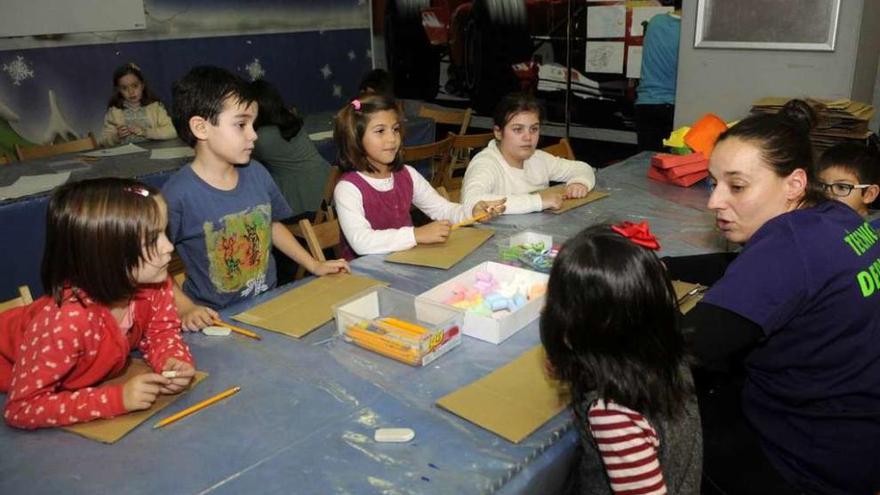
(799, 305)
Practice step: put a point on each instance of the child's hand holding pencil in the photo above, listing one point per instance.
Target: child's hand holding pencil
(484, 210)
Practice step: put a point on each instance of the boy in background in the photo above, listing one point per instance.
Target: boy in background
(850, 173)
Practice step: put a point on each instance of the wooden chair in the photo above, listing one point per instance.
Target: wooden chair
(321, 236)
(325, 209)
(459, 153)
(24, 298)
(4, 159)
(460, 118)
(438, 153)
(46, 150)
(561, 149)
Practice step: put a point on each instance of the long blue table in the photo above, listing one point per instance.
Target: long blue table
(304, 419)
(22, 220)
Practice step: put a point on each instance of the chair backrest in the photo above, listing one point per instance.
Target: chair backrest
(320, 236)
(438, 153)
(460, 118)
(561, 149)
(4, 159)
(325, 209)
(41, 151)
(24, 298)
(459, 153)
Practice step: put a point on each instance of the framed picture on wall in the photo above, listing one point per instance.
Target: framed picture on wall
(767, 24)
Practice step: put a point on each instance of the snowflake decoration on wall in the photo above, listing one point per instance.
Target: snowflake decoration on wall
(337, 91)
(351, 55)
(18, 70)
(326, 71)
(255, 70)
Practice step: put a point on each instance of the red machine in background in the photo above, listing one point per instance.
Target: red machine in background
(483, 40)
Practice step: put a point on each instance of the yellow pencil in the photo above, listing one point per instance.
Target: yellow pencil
(470, 221)
(242, 331)
(196, 408)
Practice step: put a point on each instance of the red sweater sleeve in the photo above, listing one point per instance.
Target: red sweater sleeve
(161, 338)
(628, 446)
(49, 350)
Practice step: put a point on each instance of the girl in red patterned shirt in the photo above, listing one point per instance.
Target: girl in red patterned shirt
(105, 269)
(609, 329)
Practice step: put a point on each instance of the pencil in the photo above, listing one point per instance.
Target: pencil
(196, 408)
(239, 330)
(470, 221)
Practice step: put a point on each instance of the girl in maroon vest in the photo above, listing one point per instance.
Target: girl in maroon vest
(374, 196)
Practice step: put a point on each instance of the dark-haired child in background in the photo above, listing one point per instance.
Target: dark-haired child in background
(286, 151)
(850, 173)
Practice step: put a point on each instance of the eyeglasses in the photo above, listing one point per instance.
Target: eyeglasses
(842, 189)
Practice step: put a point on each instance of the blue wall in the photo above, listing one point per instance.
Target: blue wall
(286, 42)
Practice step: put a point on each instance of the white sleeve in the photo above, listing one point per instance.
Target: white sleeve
(357, 230)
(427, 199)
(568, 171)
(483, 182)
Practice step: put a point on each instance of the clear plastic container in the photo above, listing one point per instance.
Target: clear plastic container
(397, 325)
(529, 250)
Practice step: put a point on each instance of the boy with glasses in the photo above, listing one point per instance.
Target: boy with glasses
(849, 173)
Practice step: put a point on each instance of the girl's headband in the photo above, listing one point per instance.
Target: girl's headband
(638, 233)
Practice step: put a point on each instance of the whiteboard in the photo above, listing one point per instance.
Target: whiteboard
(767, 24)
(36, 17)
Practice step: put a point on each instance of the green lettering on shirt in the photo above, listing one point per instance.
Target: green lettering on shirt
(861, 239)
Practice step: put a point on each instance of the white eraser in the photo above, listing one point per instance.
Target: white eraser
(169, 374)
(394, 435)
(216, 331)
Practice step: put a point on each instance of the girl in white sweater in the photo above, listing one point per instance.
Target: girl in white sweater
(512, 167)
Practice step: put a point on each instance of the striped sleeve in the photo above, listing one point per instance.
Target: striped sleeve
(628, 446)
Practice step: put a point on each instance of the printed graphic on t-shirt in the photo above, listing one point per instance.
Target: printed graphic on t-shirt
(861, 241)
(238, 250)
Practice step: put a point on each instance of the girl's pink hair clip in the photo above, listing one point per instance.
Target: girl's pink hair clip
(140, 191)
(356, 104)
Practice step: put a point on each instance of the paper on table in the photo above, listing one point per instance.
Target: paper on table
(570, 204)
(112, 429)
(116, 151)
(318, 136)
(32, 184)
(460, 243)
(171, 153)
(305, 308)
(512, 401)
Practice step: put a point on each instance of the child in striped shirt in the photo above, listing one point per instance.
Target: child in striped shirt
(610, 332)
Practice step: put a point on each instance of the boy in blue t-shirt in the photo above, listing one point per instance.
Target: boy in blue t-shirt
(850, 173)
(224, 210)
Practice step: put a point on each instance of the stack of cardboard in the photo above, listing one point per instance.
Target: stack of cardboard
(838, 120)
(681, 170)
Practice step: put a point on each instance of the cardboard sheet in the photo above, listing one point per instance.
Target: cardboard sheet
(461, 242)
(305, 308)
(33, 184)
(570, 204)
(512, 401)
(171, 153)
(688, 294)
(126, 149)
(111, 430)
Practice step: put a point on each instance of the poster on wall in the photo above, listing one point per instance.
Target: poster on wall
(57, 88)
(605, 56)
